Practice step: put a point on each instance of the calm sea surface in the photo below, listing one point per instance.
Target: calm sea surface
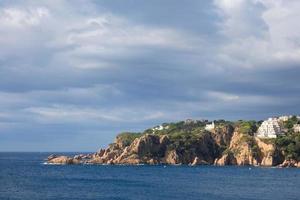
(23, 176)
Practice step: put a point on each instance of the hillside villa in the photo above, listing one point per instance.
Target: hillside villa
(270, 128)
(296, 128)
(210, 127)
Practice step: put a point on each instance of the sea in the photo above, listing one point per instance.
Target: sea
(24, 176)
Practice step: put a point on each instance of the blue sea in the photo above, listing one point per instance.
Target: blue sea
(24, 176)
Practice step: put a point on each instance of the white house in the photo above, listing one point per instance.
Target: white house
(269, 129)
(210, 127)
(296, 128)
(285, 118)
(159, 128)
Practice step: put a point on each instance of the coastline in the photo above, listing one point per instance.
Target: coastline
(191, 143)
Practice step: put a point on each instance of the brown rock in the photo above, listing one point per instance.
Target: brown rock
(152, 162)
(222, 135)
(110, 162)
(241, 146)
(79, 157)
(100, 152)
(289, 163)
(266, 152)
(96, 160)
(226, 159)
(61, 160)
(76, 161)
(172, 158)
(164, 140)
(146, 145)
(132, 159)
(51, 157)
(198, 161)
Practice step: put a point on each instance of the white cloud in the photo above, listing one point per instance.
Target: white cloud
(77, 40)
(259, 32)
(109, 36)
(283, 19)
(16, 17)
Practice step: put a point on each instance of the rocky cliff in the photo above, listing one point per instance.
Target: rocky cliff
(186, 143)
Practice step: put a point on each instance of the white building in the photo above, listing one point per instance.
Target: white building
(285, 118)
(159, 128)
(269, 129)
(210, 127)
(296, 128)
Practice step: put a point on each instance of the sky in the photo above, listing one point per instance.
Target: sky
(74, 74)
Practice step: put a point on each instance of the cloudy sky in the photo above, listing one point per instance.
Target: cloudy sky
(73, 74)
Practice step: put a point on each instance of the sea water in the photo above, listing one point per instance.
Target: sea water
(23, 176)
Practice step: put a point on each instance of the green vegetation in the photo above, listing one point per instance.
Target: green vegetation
(222, 123)
(247, 127)
(247, 138)
(127, 137)
(255, 150)
(289, 124)
(227, 152)
(175, 130)
(289, 145)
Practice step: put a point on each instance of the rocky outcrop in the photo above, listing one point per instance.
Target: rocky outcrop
(172, 158)
(198, 161)
(148, 149)
(62, 160)
(241, 146)
(147, 145)
(240, 151)
(249, 150)
(269, 154)
(226, 159)
(290, 163)
(223, 134)
(223, 146)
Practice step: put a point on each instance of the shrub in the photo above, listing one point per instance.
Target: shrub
(127, 137)
(247, 127)
(290, 145)
(289, 124)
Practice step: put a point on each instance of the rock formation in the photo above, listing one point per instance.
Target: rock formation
(290, 163)
(62, 160)
(225, 145)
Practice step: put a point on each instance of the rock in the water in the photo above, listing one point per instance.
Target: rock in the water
(61, 160)
(289, 163)
(51, 157)
(226, 159)
(198, 161)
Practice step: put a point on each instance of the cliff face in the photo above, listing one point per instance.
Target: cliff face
(249, 150)
(226, 145)
(270, 155)
(155, 149)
